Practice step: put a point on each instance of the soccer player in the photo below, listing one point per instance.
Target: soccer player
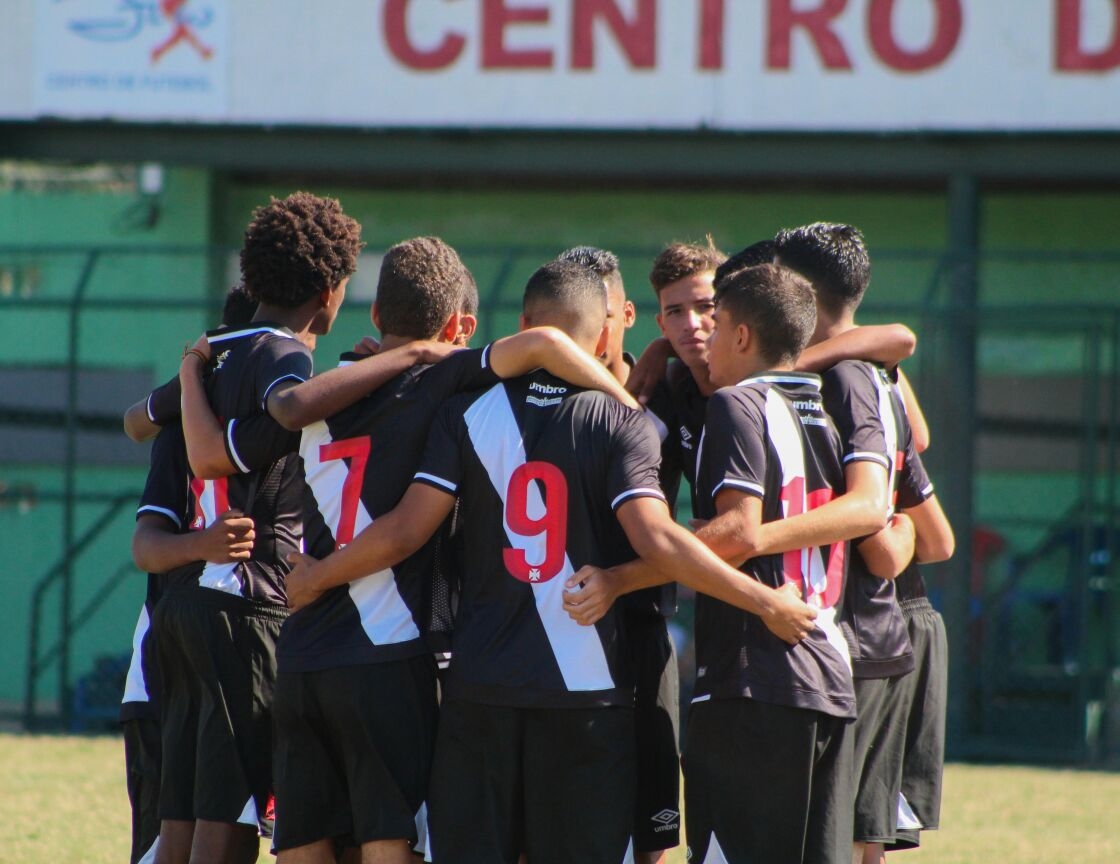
(220, 633)
(867, 408)
(535, 745)
(355, 695)
(162, 545)
(653, 657)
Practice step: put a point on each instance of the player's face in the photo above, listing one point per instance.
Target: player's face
(721, 350)
(686, 317)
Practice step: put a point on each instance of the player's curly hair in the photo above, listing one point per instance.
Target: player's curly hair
(422, 284)
(680, 260)
(296, 247)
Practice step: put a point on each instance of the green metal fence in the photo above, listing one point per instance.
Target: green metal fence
(1018, 368)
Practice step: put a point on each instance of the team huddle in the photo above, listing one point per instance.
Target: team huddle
(415, 607)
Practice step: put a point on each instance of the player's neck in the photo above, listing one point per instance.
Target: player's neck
(703, 379)
(389, 341)
(298, 320)
(827, 328)
(620, 369)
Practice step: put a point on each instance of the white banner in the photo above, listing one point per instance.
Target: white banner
(819, 65)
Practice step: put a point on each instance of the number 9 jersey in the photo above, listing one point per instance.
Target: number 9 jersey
(539, 467)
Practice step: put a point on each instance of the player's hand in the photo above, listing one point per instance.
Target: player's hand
(230, 538)
(650, 369)
(788, 618)
(202, 346)
(432, 352)
(367, 346)
(301, 581)
(588, 595)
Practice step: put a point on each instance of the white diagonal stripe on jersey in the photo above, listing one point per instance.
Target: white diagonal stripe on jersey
(219, 577)
(890, 431)
(496, 437)
(784, 434)
(135, 688)
(715, 852)
(384, 615)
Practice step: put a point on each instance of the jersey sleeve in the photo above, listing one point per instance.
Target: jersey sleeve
(279, 359)
(852, 401)
(734, 445)
(255, 442)
(442, 463)
(164, 403)
(635, 458)
(914, 485)
(165, 491)
(463, 370)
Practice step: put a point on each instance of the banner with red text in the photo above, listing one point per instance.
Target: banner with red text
(813, 65)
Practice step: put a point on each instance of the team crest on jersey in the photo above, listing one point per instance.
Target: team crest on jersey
(222, 359)
(686, 438)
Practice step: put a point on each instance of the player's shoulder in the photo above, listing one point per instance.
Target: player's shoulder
(850, 373)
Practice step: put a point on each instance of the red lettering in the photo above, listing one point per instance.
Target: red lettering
(816, 21)
(396, 36)
(711, 34)
(1071, 56)
(637, 37)
(946, 34)
(496, 17)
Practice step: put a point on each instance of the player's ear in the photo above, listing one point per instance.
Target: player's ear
(743, 338)
(604, 339)
(468, 324)
(450, 328)
(325, 298)
(629, 314)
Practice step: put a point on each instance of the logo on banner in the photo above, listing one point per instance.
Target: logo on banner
(146, 58)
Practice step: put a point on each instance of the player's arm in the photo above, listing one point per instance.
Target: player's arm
(650, 369)
(295, 405)
(736, 535)
(934, 540)
(888, 552)
(206, 449)
(919, 428)
(387, 541)
(668, 552)
(888, 344)
(144, 419)
(158, 547)
(554, 351)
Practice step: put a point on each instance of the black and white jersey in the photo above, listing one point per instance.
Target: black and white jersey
(248, 363)
(690, 407)
(868, 411)
(914, 488)
(769, 437)
(357, 464)
(166, 495)
(539, 467)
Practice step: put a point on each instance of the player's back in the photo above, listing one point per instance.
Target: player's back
(770, 437)
(358, 464)
(539, 466)
(248, 363)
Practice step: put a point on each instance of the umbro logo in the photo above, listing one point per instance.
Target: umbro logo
(686, 438)
(222, 359)
(666, 820)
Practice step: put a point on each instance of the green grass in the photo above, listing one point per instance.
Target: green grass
(63, 799)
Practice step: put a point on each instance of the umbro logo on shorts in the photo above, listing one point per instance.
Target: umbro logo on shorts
(666, 820)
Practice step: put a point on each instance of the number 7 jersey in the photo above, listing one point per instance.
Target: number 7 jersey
(769, 437)
(540, 467)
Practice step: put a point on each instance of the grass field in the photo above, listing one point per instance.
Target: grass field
(62, 799)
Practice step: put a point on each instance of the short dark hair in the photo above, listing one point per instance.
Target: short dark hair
(762, 252)
(600, 260)
(832, 257)
(680, 260)
(238, 308)
(470, 301)
(297, 247)
(776, 304)
(419, 288)
(566, 295)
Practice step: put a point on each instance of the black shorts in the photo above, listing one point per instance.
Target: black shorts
(924, 696)
(767, 782)
(142, 771)
(353, 751)
(657, 714)
(217, 654)
(879, 735)
(556, 783)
